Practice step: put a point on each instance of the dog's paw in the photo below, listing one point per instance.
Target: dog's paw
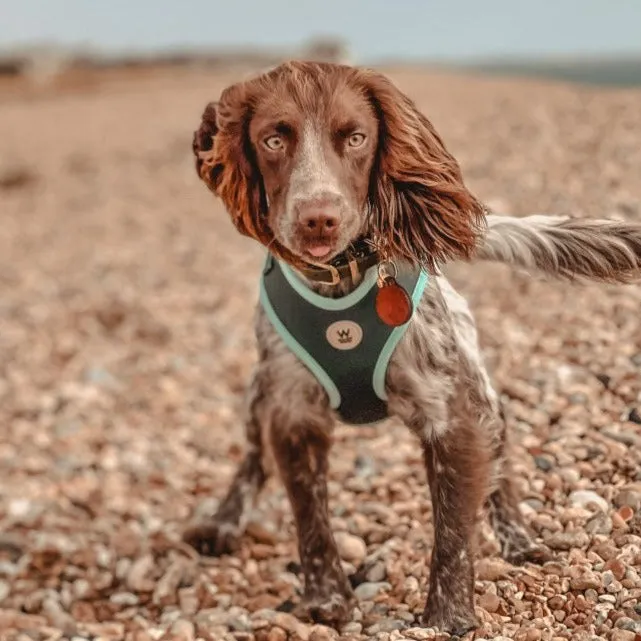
(212, 538)
(334, 610)
(532, 553)
(455, 623)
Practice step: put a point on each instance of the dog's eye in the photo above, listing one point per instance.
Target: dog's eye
(356, 140)
(275, 142)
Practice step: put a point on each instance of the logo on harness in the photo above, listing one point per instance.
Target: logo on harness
(344, 334)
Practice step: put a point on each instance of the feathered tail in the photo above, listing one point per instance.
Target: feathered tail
(602, 250)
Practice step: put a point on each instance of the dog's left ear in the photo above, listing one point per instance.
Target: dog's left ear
(419, 205)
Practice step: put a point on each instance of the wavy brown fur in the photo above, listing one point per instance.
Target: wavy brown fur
(419, 208)
(584, 249)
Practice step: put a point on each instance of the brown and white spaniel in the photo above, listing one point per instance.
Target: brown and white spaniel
(312, 160)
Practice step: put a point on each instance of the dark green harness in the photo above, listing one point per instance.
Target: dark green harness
(341, 340)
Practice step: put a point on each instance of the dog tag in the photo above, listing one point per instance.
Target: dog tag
(393, 304)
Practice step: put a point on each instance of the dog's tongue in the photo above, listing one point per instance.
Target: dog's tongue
(319, 251)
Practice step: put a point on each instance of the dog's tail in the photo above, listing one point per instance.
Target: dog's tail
(602, 250)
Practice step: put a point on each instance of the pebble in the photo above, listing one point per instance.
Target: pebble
(322, 633)
(566, 540)
(600, 523)
(350, 547)
(291, 624)
(367, 591)
(629, 496)
(588, 499)
(124, 598)
(583, 579)
(376, 573)
(183, 630)
(277, 634)
(5, 590)
(543, 463)
(420, 634)
(489, 602)
(354, 627)
(622, 635)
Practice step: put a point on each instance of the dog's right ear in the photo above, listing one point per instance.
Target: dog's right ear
(203, 143)
(225, 161)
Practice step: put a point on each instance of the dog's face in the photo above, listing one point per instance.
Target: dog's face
(310, 156)
(315, 153)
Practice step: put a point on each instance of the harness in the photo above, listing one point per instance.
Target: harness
(341, 341)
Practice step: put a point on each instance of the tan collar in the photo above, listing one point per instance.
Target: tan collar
(354, 261)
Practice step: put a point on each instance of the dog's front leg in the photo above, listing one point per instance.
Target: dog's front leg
(457, 474)
(301, 449)
(220, 533)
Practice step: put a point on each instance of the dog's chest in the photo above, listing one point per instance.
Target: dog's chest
(341, 341)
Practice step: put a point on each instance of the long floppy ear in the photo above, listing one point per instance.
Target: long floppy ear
(420, 208)
(224, 161)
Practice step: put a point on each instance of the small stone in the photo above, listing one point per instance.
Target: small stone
(543, 463)
(351, 548)
(600, 523)
(277, 634)
(367, 591)
(323, 633)
(124, 598)
(626, 623)
(622, 635)
(182, 630)
(376, 573)
(617, 568)
(140, 575)
(166, 590)
(389, 625)
(291, 624)
(261, 534)
(352, 628)
(420, 634)
(490, 602)
(492, 569)
(583, 579)
(623, 514)
(628, 496)
(567, 540)
(111, 631)
(587, 499)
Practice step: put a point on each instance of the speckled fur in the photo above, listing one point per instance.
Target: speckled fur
(401, 187)
(437, 385)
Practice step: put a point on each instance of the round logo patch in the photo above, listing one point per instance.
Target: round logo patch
(344, 334)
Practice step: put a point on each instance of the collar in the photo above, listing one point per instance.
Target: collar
(357, 259)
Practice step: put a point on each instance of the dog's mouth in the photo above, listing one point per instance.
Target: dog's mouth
(319, 250)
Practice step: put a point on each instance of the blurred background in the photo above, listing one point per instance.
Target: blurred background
(127, 298)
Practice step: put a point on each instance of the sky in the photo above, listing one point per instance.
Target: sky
(375, 29)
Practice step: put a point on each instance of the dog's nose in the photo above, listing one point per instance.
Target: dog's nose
(319, 223)
(319, 218)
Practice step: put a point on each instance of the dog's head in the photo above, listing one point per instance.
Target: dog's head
(311, 156)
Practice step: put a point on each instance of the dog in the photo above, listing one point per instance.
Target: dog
(356, 198)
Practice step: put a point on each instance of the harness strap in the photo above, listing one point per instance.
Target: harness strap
(340, 340)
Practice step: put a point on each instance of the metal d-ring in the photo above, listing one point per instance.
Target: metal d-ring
(384, 264)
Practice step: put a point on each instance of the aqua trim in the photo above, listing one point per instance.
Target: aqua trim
(331, 304)
(299, 351)
(378, 380)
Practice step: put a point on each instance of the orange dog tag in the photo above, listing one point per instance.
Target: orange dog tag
(393, 304)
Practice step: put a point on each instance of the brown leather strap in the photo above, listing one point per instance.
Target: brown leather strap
(361, 255)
